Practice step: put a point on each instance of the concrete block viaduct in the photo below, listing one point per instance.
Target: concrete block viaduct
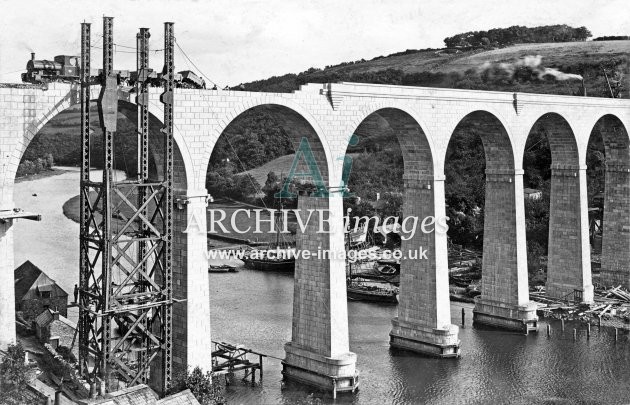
(424, 119)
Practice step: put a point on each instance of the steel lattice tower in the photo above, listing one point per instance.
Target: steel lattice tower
(125, 304)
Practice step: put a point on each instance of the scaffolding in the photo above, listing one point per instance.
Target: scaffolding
(126, 240)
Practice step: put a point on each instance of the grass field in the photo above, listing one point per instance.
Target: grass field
(434, 61)
(433, 68)
(280, 166)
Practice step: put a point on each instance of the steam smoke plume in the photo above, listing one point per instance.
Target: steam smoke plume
(534, 63)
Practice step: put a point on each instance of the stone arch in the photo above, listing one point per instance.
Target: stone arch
(415, 146)
(183, 162)
(615, 247)
(293, 118)
(561, 137)
(496, 139)
(410, 120)
(616, 140)
(568, 265)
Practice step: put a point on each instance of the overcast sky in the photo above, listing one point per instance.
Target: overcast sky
(235, 41)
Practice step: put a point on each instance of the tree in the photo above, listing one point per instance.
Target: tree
(14, 376)
(245, 187)
(519, 34)
(582, 33)
(392, 204)
(205, 388)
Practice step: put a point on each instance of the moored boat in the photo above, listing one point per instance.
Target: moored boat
(278, 259)
(362, 292)
(221, 268)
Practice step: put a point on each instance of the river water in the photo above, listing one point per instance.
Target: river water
(254, 309)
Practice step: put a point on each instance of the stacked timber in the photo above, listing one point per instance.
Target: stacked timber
(617, 292)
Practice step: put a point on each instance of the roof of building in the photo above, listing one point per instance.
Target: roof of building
(48, 316)
(182, 398)
(45, 318)
(30, 279)
(143, 395)
(136, 395)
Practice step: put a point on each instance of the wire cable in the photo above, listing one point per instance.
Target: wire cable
(8, 73)
(193, 63)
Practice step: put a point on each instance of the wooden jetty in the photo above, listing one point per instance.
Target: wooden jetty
(228, 358)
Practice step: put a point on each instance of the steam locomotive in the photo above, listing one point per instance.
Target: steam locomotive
(66, 68)
(62, 68)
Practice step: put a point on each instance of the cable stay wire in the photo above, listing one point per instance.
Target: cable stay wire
(8, 73)
(133, 47)
(115, 50)
(193, 63)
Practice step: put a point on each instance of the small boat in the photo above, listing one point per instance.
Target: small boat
(222, 268)
(388, 266)
(388, 269)
(361, 292)
(462, 280)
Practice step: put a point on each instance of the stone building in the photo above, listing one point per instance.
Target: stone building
(54, 329)
(532, 194)
(35, 292)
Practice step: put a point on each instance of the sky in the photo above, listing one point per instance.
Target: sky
(234, 41)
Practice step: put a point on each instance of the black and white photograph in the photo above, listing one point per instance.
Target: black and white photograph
(314, 202)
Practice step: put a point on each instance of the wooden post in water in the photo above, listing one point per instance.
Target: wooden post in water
(588, 331)
(548, 330)
(574, 334)
(616, 334)
(260, 359)
(599, 322)
(562, 320)
(463, 318)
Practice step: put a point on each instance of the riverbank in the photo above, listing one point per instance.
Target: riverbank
(55, 171)
(71, 209)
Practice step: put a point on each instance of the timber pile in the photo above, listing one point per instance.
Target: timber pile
(611, 304)
(619, 293)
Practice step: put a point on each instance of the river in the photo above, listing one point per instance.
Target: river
(254, 309)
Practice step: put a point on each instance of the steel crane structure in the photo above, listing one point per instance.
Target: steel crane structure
(126, 233)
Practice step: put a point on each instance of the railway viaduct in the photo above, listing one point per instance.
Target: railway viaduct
(424, 119)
